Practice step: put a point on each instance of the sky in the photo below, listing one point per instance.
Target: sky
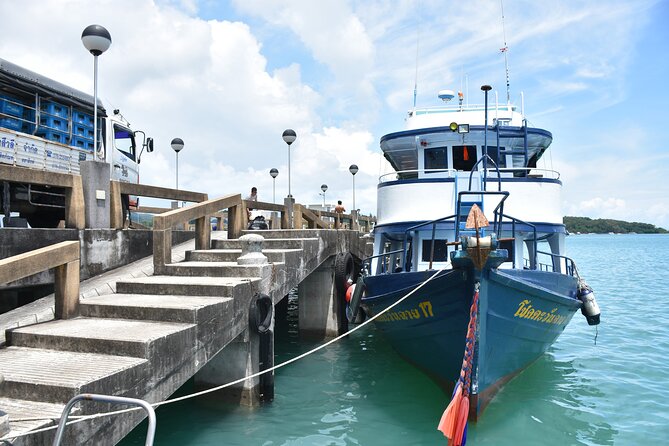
(228, 77)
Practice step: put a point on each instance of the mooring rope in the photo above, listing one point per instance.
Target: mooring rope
(79, 419)
(453, 422)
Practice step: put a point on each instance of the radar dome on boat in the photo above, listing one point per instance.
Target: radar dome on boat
(446, 95)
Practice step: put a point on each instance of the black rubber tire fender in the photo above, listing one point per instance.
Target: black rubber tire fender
(344, 270)
(260, 313)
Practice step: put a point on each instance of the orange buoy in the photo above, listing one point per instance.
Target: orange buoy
(349, 293)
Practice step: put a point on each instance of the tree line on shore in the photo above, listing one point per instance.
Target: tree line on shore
(604, 226)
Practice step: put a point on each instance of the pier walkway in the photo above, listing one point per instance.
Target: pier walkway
(143, 335)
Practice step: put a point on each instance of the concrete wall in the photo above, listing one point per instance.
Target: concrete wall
(101, 249)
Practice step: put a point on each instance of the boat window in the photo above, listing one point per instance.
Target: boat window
(435, 158)
(440, 250)
(499, 160)
(464, 157)
(124, 141)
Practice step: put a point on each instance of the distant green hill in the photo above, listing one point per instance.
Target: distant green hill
(605, 225)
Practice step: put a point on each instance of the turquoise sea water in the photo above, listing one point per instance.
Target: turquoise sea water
(359, 392)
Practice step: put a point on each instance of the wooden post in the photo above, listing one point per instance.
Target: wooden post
(235, 221)
(298, 220)
(75, 216)
(162, 249)
(115, 206)
(67, 290)
(202, 233)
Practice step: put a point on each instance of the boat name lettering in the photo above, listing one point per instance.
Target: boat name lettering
(526, 311)
(406, 315)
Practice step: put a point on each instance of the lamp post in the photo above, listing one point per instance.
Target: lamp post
(324, 188)
(274, 172)
(485, 89)
(97, 40)
(353, 169)
(177, 144)
(289, 136)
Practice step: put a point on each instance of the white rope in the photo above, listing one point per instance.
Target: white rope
(223, 386)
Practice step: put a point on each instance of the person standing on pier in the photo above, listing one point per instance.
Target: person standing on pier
(339, 210)
(252, 197)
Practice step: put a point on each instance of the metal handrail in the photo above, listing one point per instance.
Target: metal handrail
(551, 174)
(151, 431)
(413, 228)
(460, 107)
(369, 259)
(451, 173)
(571, 269)
(498, 211)
(534, 234)
(485, 173)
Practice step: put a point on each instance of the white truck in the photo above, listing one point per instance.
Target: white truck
(47, 125)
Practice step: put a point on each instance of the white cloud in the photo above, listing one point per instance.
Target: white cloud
(341, 73)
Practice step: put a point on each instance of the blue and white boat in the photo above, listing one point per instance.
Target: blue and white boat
(510, 281)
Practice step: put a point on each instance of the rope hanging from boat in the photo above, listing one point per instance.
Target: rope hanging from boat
(453, 422)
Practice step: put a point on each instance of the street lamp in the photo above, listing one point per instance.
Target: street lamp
(177, 144)
(324, 188)
(97, 40)
(289, 136)
(353, 169)
(274, 172)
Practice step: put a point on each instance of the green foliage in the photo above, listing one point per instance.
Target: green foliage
(605, 225)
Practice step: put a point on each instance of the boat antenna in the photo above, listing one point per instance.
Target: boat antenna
(415, 79)
(505, 50)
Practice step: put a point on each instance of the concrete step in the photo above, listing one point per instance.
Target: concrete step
(19, 409)
(186, 286)
(150, 307)
(123, 337)
(298, 233)
(216, 269)
(53, 376)
(231, 255)
(269, 243)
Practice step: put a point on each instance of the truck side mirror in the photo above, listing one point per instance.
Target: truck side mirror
(149, 145)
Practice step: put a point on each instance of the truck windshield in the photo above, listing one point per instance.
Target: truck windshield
(124, 141)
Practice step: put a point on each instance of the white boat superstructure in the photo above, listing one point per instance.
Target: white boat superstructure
(449, 149)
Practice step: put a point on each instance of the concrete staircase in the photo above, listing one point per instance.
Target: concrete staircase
(146, 339)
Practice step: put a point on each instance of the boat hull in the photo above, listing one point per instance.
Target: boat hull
(521, 313)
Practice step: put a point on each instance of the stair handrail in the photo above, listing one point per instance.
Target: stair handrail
(201, 213)
(151, 431)
(64, 257)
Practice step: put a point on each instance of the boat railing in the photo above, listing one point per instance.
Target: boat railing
(405, 245)
(367, 262)
(414, 173)
(492, 173)
(498, 212)
(459, 107)
(514, 220)
(569, 264)
(527, 172)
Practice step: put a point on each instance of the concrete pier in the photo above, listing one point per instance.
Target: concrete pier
(143, 335)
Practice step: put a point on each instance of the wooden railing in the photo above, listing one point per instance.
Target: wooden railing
(74, 192)
(64, 258)
(201, 213)
(118, 188)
